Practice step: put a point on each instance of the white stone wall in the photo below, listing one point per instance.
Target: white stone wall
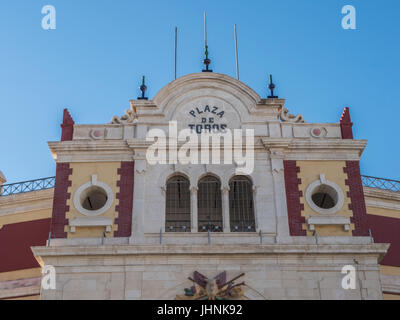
(161, 272)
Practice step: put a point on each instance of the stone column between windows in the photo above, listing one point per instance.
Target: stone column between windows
(256, 225)
(282, 222)
(139, 202)
(193, 206)
(225, 209)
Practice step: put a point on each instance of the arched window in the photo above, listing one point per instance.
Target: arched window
(209, 204)
(177, 211)
(241, 207)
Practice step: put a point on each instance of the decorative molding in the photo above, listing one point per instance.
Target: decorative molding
(93, 183)
(128, 118)
(322, 181)
(318, 132)
(379, 193)
(390, 283)
(217, 288)
(225, 189)
(26, 202)
(194, 189)
(328, 220)
(91, 222)
(316, 149)
(382, 204)
(229, 250)
(98, 133)
(285, 116)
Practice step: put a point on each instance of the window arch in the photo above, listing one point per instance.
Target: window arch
(177, 211)
(209, 204)
(241, 205)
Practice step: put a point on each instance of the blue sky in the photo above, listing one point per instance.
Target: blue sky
(92, 64)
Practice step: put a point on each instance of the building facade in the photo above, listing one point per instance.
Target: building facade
(283, 216)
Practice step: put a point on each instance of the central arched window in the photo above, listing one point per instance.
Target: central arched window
(209, 204)
(177, 211)
(241, 207)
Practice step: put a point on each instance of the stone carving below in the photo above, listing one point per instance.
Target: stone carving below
(217, 288)
(128, 118)
(285, 116)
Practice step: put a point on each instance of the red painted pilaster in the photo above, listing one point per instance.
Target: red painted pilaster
(356, 194)
(293, 195)
(61, 195)
(125, 196)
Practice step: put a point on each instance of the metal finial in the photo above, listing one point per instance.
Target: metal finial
(271, 87)
(143, 88)
(206, 61)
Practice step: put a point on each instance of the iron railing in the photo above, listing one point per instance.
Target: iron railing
(381, 183)
(48, 183)
(27, 186)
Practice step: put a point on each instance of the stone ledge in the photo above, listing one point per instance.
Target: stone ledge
(381, 194)
(369, 249)
(20, 292)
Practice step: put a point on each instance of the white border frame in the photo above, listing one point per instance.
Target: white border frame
(93, 182)
(322, 181)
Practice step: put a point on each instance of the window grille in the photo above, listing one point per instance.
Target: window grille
(209, 205)
(177, 211)
(241, 207)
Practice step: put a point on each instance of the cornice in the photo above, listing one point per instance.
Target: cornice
(89, 150)
(381, 194)
(312, 149)
(370, 249)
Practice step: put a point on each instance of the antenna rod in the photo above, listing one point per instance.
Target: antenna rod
(236, 54)
(176, 45)
(205, 29)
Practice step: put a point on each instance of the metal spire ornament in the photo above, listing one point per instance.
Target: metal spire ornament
(143, 88)
(206, 61)
(271, 87)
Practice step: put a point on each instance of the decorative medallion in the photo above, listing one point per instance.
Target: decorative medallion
(319, 132)
(97, 134)
(217, 288)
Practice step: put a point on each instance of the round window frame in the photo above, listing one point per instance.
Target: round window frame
(323, 182)
(93, 213)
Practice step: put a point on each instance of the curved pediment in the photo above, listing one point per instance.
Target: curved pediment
(210, 99)
(206, 102)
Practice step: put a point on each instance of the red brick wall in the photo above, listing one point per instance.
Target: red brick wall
(356, 194)
(386, 230)
(293, 195)
(61, 195)
(16, 241)
(125, 196)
